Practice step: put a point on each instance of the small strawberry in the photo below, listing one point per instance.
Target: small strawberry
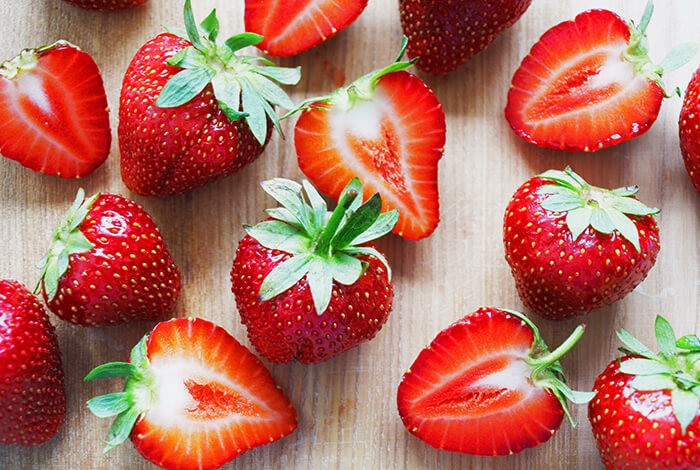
(388, 129)
(108, 264)
(53, 111)
(194, 397)
(646, 412)
(32, 392)
(290, 27)
(191, 111)
(589, 83)
(573, 247)
(689, 129)
(308, 282)
(488, 385)
(443, 35)
(106, 5)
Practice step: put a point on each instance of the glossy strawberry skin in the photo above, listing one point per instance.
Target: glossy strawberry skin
(32, 390)
(128, 275)
(287, 328)
(558, 278)
(170, 151)
(689, 129)
(106, 5)
(635, 429)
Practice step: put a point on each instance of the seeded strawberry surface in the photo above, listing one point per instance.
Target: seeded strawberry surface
(689, 129)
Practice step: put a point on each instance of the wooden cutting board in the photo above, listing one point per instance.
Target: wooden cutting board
(346, 405)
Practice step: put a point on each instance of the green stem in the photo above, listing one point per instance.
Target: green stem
(324, 243)
(558, 353)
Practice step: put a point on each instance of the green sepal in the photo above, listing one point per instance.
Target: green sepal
(277, 235)
(112, 404)
(665, 337)
(689, 342)
(184, 86)
(240, 41)
(685, 407)
(121, 428)
(644, 367)
(210, 26)
(112, 370)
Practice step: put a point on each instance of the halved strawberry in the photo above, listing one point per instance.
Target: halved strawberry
(194, 396)
(487, 385)
(589, 84)
(388, 129)
(293, 26)
(53, 111)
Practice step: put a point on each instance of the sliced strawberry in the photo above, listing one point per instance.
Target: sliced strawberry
(197, 398)
(293, 26)
(487, 385)
(391, 137)
(53, 111)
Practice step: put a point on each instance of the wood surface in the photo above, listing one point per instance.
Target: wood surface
(346, 406)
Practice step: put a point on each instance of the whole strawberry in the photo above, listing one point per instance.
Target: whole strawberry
(108, 264)
(191, 111)
(573, 247)
(444, 34)
(106, 5)
(308, 282)
(689, 129)
(32, 391)
(646, 410)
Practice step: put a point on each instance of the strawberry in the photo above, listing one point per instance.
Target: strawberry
(32, 391)
(308, 283)
(388, 129)
(445, 34)
(589, 83)
(290, 27)
(53, 111)
(487, 385)
(194, 397)
(573, 247)
(108, 264)
(689, 129)
(646, 413)
(106, 5)
(191, 111)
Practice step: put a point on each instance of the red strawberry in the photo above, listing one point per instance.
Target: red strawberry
(689, 129)
(308, 283)
(32, 393)
(106, 5)
(573, 247)
(53, 111)
(589, 84)
(646, 413)
(192, 111)
(487, 385)
(194, 397)
(290, 27)
(388, 129)
(445, 34)
(109, 264)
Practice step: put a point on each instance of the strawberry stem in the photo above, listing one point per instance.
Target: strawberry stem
(558, 353)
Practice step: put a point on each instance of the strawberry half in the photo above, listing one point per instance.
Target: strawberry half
(487, 385)
(388, 129)
(194, 397)
(53, 111)
(290, 27)
(589, 83)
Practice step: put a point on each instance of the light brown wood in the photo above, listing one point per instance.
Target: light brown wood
(346, 406)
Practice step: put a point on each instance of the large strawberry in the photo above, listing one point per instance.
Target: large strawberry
(573, 247)
(192, 111)
(444, 34)
(589, 83)
(290, 27)
(106, 5)
(487, 385)
(194, 397)
(32, 391)
(308, 283)
(53, 111)
(689, 129)
(388, 129)
(646, 412)
(108, 264)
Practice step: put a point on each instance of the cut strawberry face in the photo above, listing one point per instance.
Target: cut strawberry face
(53, 111)
(293, 26)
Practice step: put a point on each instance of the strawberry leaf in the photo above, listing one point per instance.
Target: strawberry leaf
(678, 56)
(121, 428)
(650, 383)
(634, 345)
(318, 205)
(345, 269)
(239, 41)
(111, 370)
(685, 407)
(644, 367)
(191, 27)
(578, 221)
(278, 235)
(210, 26)
(358, 222)
(665, 337)
(184, 86)
(689, 342)
(112, 404)
(600, 221)
(284, 276)
(320, 281)
(625, 226)
(383, 225)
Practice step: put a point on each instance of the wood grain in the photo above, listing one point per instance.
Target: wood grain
(346, 406)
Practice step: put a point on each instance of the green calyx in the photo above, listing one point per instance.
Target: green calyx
(585, 205)
(244, 86)
(674, 368)
(324, 245)
(128, 405)
(67, 240)
(547, 372)
(27, 59)
(637, 52)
